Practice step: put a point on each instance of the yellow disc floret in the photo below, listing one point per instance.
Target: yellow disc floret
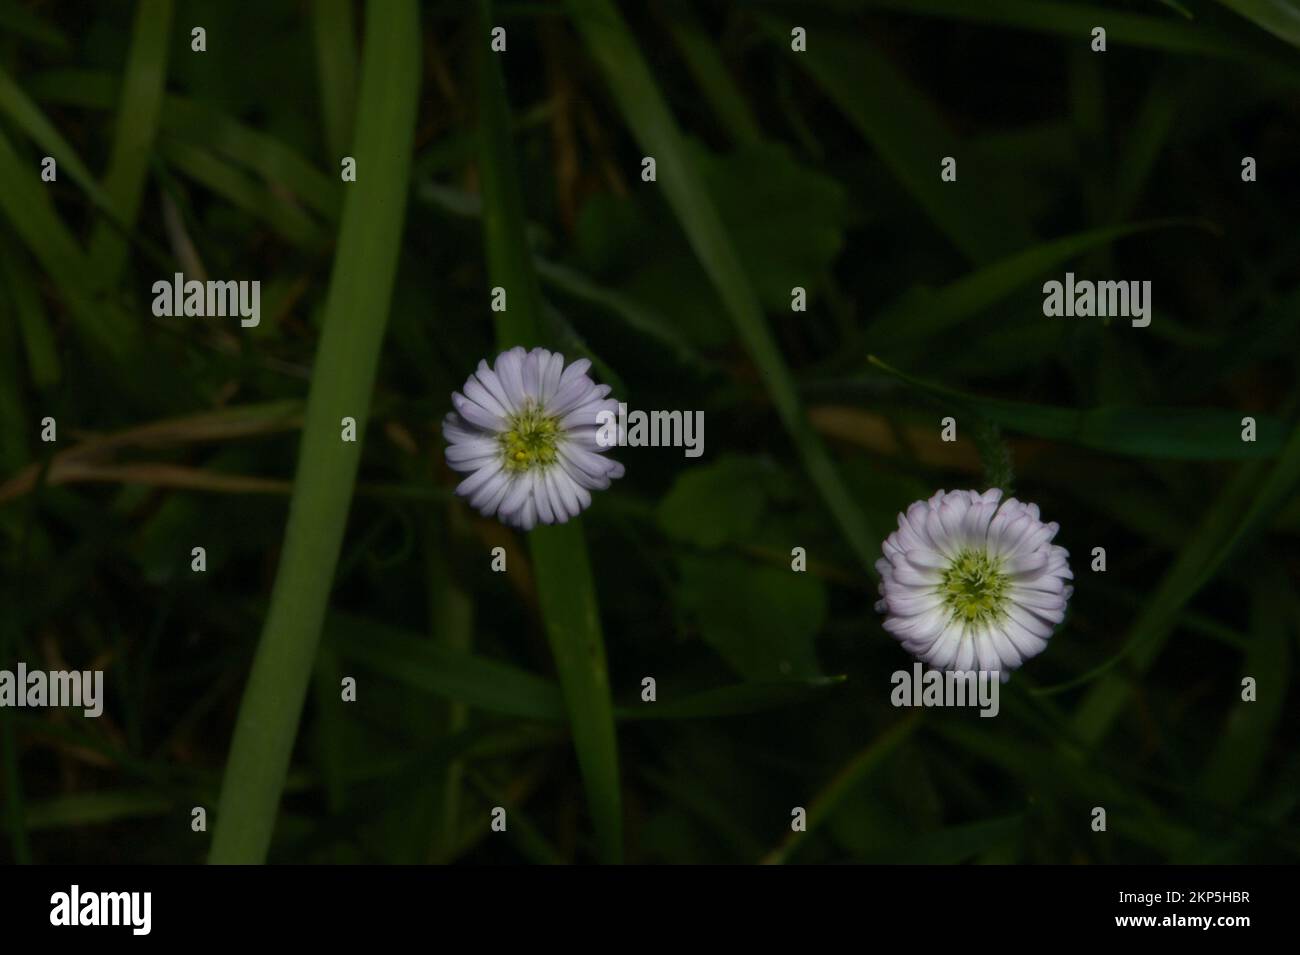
(974, 587)
(530, 439)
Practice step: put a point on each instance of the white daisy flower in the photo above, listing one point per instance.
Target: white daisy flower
(525, 430)
(972, 582)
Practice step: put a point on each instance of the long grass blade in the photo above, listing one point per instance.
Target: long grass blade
(655, 129)
(911, 137)
(1279, 17)
(565, 587)
(356, 313)
(137, 124)
(1182, 434)
(1236, 515)
(336, 64)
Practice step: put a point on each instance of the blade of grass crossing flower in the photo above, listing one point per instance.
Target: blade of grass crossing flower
(653, 125)
(137, 123)
(566, 590)
(356, 312)
(336, 65)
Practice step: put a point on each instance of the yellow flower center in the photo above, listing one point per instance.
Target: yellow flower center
(530, 440)
(974, 587)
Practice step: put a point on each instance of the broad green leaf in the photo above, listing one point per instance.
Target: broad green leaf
(717, 503)
(762, 620)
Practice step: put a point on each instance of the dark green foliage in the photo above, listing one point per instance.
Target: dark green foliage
(775, 169)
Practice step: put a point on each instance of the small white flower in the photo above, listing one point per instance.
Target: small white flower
(525, 429)
(971, 582)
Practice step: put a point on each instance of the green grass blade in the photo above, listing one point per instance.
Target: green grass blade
(97, 808)
(1076, 21)
(738, 700)
(15, 425)
(434, 666)
(137, 124)
(857, 769)
(955, 844)
(15, 817)
(336, 64)
(356, 312)
(27, 116)
(1279, 17)
(1236, 515)
(567, 592)
(204, 125)
(34, 219)
(565, 587)
(652, 124)
(212, 171)
(17, 19)
(33, 325)
(1180, 434)
(1238, 756)
(640, 318)
(703, 59)
(909, 134)
(919, 317)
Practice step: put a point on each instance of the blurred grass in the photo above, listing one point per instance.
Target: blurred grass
(144, 79)
(346, 363)
(657, 132)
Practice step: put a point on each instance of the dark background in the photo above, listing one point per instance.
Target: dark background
(824, 169)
